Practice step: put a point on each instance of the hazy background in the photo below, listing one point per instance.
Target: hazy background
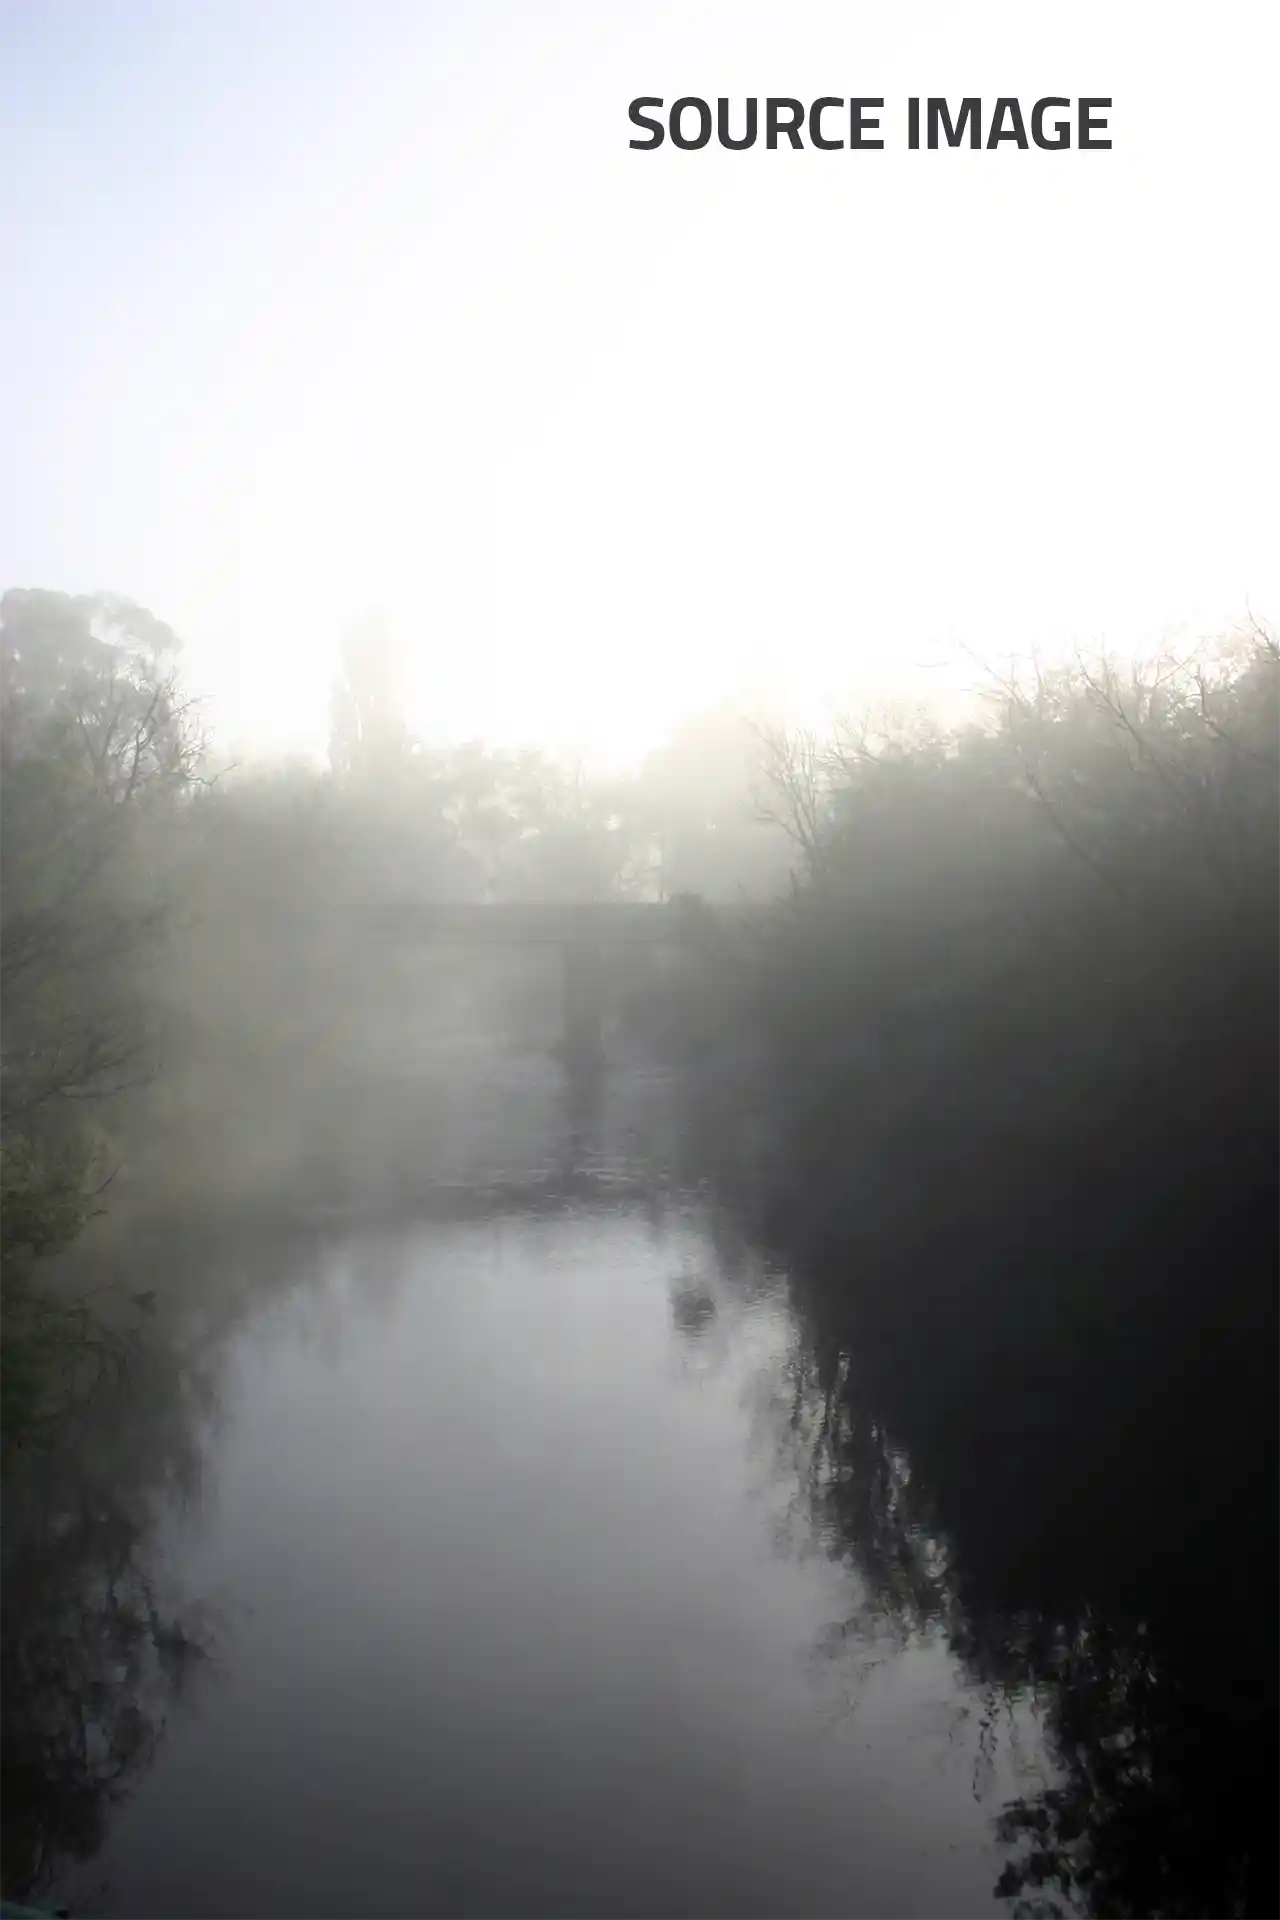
(779, 1416)
(335, 305)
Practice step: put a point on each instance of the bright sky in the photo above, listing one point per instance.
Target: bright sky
(317, 307)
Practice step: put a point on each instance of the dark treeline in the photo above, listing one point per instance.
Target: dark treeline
(1021, 1026)
(997, 1078)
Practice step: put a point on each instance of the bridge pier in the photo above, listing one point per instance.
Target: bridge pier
(581, 932)
(583, 1042)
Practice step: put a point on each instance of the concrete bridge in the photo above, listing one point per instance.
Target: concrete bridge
(582, 931)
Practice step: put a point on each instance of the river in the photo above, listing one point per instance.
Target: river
(458, 1559)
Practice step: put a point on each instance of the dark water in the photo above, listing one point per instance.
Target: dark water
(463, 1558)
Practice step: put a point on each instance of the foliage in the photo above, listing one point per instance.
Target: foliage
(1022, 1039)
(97, 743)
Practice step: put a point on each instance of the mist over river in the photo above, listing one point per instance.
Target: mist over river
(639, 964)
(459, 1557)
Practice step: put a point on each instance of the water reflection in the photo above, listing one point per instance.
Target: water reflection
(503, 1626)
(1104, 1556)
(97, 1649)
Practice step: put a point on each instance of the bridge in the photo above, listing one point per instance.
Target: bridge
(581, 930)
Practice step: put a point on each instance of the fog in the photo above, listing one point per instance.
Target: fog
(337, 305)
(752, 1279)
(638, 976)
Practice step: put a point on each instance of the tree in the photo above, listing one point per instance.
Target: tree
(1019, 1064)
(698, 799)
(368, 733)
(97, 743)
(793, 790)
(93, 680)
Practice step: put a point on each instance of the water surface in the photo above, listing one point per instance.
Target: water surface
(510, 1601)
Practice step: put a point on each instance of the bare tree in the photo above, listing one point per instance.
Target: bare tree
(793, 789)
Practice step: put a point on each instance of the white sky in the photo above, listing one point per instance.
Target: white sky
(313, 308)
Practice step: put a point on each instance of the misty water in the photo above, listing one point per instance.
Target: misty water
(485, 1521)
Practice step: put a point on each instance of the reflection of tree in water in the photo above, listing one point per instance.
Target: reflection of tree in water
(1124, 1586)
(94, 1652)
(96, 1649)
